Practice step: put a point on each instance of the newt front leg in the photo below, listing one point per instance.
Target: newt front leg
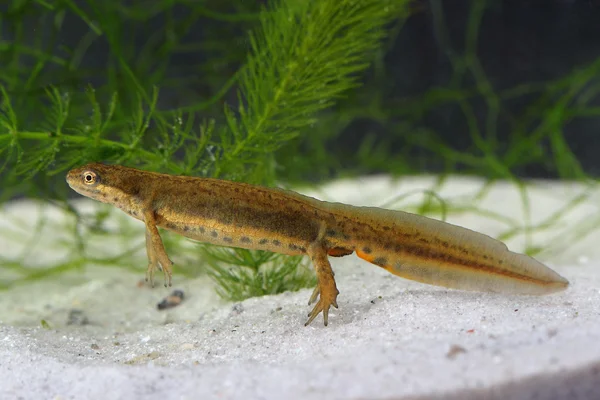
(326, 289)
(156, 251)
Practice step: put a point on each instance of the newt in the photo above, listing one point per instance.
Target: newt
(254, 217)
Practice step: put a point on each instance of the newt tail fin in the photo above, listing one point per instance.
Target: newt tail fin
(509, 273)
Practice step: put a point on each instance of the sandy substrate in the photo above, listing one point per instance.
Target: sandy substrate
(390, 338)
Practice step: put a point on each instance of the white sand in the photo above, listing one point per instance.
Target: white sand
(390, 338)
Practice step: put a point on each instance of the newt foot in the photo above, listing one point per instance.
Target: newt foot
(327, 298)
(167, 272)
(150, 273)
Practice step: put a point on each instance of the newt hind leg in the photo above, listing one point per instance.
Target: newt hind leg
(326, 290)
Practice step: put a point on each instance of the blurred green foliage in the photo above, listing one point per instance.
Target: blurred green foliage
(533, 117)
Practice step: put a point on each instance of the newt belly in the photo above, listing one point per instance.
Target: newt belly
(254, 217)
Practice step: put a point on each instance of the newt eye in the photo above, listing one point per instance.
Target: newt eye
(90, 178)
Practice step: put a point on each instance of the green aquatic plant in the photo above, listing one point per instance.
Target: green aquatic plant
(301, 57)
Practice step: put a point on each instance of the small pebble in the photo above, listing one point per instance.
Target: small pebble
(77, 317)
(172, 300)
(237, 308)
(454, 351)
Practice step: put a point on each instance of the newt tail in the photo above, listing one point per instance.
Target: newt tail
(442, 254)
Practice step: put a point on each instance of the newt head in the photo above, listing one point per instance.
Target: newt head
(106, 183)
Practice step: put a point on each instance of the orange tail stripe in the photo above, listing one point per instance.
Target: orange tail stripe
(365, 256)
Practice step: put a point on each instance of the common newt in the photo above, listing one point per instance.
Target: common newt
(254, 217)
